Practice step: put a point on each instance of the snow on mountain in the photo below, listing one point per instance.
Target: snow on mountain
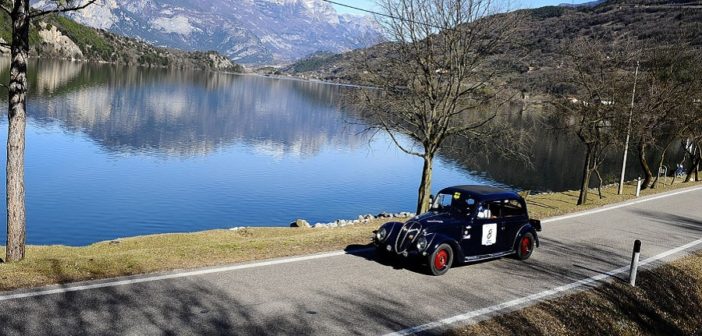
(248, 31)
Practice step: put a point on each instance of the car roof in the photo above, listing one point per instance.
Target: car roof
(482, 192)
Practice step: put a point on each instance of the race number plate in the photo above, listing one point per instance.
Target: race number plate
(489, 234)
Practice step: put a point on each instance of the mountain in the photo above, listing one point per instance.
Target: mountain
(248, 31)
(584, 4)
(59, 37)
(533, 54)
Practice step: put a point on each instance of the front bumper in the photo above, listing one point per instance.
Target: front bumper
(388, 246)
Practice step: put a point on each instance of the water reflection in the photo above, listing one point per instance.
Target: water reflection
(116, 151)
(185, 113)
(557, 157)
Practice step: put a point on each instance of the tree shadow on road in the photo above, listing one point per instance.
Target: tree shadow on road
(666, 301)
(203, 306)
(694, 225)
(184, 306)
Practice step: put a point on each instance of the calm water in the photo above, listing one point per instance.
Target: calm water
(117, 152)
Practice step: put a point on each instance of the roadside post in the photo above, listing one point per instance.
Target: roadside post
(638, 187)
(635, 263)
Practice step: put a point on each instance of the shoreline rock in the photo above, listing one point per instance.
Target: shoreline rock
(300, 223)
(361, 219)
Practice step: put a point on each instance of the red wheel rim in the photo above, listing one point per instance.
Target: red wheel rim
(441, 259)
(525, 246)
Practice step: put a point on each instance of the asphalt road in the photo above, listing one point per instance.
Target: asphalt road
(352, 293)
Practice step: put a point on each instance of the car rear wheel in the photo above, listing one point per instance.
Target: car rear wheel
(525, 246)
(440, 261)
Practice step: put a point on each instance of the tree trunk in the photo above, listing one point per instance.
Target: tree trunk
(599, 185)
(425, 186)
(661, 161)
(648, 175)
(16, 217)
(587, 172)
(695, 158)
(699, 160)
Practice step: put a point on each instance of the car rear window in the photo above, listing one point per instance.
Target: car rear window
(502, 209)
(512, 208)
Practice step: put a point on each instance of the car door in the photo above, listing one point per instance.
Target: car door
(470, 237)
(464, 211)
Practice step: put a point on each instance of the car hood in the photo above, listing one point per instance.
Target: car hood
(431, 220)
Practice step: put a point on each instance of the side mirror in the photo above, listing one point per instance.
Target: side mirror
(431, 201)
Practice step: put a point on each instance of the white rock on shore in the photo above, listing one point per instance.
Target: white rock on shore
(300, 223)
(362, 219)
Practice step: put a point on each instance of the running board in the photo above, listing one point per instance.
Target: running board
(488, 256)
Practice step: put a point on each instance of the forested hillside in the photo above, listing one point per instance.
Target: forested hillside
(60, 37)
(534, 51)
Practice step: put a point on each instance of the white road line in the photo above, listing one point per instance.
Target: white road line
(76, 288)
(171, 276)
(535, 297)
(621, 205)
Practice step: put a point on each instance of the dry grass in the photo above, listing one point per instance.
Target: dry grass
(60, 264)
(666, 301)
(554, 204)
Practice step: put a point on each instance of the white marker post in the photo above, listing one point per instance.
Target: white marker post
(638, 187)
(635, 263)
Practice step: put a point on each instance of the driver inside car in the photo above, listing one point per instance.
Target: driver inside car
(463, 206)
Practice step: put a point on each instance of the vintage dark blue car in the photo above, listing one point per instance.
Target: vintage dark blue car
(465, 224)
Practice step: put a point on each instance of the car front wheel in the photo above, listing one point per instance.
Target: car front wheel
(525, 246)
(440, 261)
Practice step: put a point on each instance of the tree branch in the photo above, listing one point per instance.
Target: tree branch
(6, 10)
(61, 10)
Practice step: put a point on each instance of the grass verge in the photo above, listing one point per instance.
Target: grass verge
(666, 301)
(45, 265)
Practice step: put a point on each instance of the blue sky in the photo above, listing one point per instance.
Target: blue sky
(369, 4)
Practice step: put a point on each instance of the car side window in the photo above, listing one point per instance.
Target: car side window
(490, 210)
(501, 209)
(463, 206)
(513, 208)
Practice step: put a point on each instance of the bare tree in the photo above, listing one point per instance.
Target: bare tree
(667, 85)
(692, 135)
(437, 82)
(21, 14)
(594, 111)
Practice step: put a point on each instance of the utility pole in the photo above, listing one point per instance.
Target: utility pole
(628, 132)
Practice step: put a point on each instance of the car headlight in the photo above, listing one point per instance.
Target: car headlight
(381, 234)
(421, 243)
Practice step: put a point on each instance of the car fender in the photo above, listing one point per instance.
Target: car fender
(522, 231)
(439, 239)
(391, 227)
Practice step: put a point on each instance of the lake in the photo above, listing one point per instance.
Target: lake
(116, 152)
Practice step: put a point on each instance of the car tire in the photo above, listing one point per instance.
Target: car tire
(440, 261)
(525, 246)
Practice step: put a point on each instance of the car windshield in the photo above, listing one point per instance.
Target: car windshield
(453, 202)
